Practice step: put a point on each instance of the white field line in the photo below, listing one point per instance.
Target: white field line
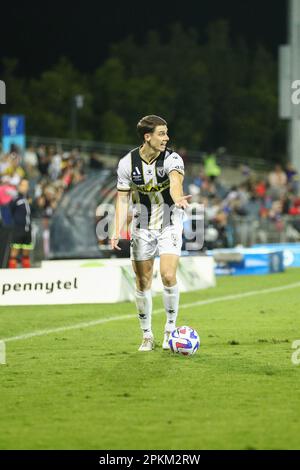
(78, 326)
(2, 353)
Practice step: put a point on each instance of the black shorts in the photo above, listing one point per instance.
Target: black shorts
(21, 239)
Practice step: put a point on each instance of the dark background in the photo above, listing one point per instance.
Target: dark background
(39, 33)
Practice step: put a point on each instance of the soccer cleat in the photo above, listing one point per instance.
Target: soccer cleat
(147, 344)
(166, 340)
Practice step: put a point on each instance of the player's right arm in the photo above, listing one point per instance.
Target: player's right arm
(122, 203)
(121, 216)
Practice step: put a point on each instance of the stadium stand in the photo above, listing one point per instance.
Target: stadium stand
(69, 187)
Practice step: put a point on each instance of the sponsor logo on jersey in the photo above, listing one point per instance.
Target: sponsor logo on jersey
(136, 171)
(136, 174)
(179, 167)
(150, 187)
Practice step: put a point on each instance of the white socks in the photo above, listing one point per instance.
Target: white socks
(144, 308)
(171, 302)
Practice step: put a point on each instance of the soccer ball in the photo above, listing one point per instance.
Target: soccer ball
(184, 340)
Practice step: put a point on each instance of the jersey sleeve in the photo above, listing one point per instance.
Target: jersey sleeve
(124, 180)
(174, 162)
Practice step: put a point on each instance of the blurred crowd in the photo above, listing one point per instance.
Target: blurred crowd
(50, 173)
(261, 205)
(258, 204)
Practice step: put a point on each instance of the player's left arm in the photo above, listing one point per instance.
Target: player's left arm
(176, 189)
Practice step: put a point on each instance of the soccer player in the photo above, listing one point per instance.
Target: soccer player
(153, 175)
(21, 215)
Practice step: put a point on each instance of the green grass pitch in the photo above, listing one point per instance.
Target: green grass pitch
(90, 388)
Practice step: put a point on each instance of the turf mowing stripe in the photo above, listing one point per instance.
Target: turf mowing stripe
(160, 310)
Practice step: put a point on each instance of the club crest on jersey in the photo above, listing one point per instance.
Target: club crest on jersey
(160, 171)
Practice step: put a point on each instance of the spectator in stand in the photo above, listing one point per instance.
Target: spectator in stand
(200, 178)
(7, 190)
(211, 168)
(252, 207)
(96, 162)
(260, 188)
(21, 216)
(30, 156)
(30, 165)
(7, 194)
(43, 160)
(55, 166)
(294, 208)
(4, 163)
(220, 224)
(67, 170)
(75, 155)
(208, 188)
(51, 200)
(278, 181)
(78, 176)
(292, 178)
(14, 170)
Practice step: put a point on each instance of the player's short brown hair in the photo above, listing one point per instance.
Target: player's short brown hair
(148, 124)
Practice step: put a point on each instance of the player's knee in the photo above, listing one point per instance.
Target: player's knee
(168, 278)
(143, 283)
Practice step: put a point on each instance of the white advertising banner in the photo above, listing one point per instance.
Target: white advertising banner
(94, 281)
(62, 286)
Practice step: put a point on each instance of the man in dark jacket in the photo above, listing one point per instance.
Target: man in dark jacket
(21, 216)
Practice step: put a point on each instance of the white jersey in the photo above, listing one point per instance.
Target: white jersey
(153, 206)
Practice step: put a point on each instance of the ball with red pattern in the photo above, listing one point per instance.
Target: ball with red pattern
(184, 340)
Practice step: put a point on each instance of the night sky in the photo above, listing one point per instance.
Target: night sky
(39, 33)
